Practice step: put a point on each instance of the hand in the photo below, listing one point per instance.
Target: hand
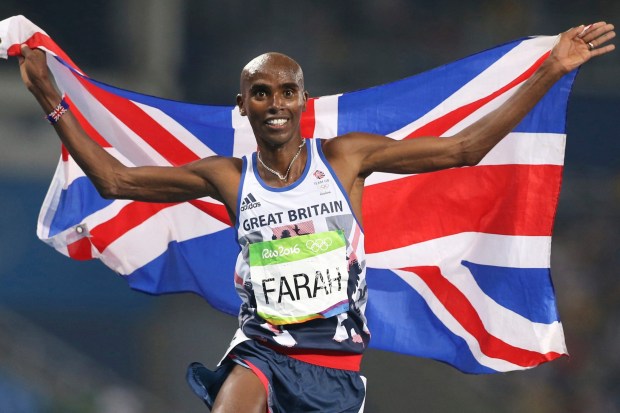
(579, 44)
(33, 68)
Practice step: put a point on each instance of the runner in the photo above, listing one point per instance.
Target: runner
(297, 208)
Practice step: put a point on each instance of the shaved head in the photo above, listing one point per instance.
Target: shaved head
(272, 62)
(273, 98)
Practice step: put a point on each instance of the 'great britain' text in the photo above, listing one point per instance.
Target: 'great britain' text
(292, 214)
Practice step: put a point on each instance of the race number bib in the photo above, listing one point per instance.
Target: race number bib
(300, 278)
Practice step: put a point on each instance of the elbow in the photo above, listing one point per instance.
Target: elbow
(465, 156)
(107, 186)
(107, 194)
(469, 154)
(470, 159)
(107, 191)
(113, 183)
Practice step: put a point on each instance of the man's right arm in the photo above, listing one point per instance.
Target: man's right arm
(111, 178)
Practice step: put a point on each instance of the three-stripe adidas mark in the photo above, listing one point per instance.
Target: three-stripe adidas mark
(249, 202)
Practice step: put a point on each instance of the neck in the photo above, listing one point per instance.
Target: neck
(283, 164)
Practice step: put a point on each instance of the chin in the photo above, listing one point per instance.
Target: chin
(278, 138)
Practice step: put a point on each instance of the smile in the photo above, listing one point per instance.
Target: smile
(276, 122)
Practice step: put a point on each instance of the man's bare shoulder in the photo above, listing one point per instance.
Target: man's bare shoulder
(222, 173)
(352, 145)
(216, 164)
(346, 143)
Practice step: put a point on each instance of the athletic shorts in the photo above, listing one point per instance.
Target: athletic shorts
(292, 386)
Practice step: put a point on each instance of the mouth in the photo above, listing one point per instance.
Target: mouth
(276, 122)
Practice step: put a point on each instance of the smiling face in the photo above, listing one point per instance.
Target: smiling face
(273, 98)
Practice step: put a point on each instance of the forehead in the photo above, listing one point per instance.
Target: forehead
(273, 69)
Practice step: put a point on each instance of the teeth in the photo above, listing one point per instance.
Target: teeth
(276, 121)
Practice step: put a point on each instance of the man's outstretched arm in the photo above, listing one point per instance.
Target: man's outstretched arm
(111, 178)
(373, 153)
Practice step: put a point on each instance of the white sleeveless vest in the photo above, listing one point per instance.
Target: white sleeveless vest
(301, 270)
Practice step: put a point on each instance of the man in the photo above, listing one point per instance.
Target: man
(300, 273)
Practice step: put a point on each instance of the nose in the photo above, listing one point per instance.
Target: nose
(277, 102)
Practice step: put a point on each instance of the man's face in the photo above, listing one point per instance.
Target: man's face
(273, 98)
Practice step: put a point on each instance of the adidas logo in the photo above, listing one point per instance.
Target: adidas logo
(249, 202)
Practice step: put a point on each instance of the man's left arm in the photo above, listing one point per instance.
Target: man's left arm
(372, 153)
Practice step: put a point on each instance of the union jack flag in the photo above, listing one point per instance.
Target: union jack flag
(458, 259)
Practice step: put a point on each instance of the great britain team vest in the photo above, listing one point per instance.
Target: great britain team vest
(301, 270)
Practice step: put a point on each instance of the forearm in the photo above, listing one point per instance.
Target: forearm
(113, 179)
(96, 163)
(479, 138)
(469, 146)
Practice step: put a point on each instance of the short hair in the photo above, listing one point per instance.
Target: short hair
(272, 58)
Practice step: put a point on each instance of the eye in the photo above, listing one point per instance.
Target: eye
(259, 93)
(289, 93)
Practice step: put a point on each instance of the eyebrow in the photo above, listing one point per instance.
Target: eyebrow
(263, 86)
(291, 85)
(259, 86)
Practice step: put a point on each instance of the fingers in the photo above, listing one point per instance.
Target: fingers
(589, 28)
(574, 32)
(602, 50)
(597, 37)
(28, 54)
(598, 34)
(594, 30)
(603, 39)
(584, 30)
(594, 37)
(26, 51)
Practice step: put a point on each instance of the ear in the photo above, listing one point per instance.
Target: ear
(240, 104)
(305, 98)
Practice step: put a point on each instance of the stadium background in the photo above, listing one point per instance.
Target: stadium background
(75, 339)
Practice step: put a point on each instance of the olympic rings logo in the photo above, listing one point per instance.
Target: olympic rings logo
(321, 244)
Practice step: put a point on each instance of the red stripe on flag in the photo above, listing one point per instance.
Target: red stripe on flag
(457, 304)
(440, 125)
(142, 124)
(217, 211)
(135, 213)
(40, 39)
(308, 120)
(130, 216)
(80, 249)
(497, 199)
(64, 153)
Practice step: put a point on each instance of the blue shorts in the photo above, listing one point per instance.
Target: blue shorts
(291, 385)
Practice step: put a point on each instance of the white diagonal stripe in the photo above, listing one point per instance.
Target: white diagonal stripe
(177, 130)
(326, 116)
(509, 66)
(138, 246)
(454, 326)
(489, 249)
(109, 126)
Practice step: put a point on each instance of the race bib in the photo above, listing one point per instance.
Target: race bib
(300, 278)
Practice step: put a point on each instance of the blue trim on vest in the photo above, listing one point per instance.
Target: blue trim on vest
(244, 168)
(319, 147)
